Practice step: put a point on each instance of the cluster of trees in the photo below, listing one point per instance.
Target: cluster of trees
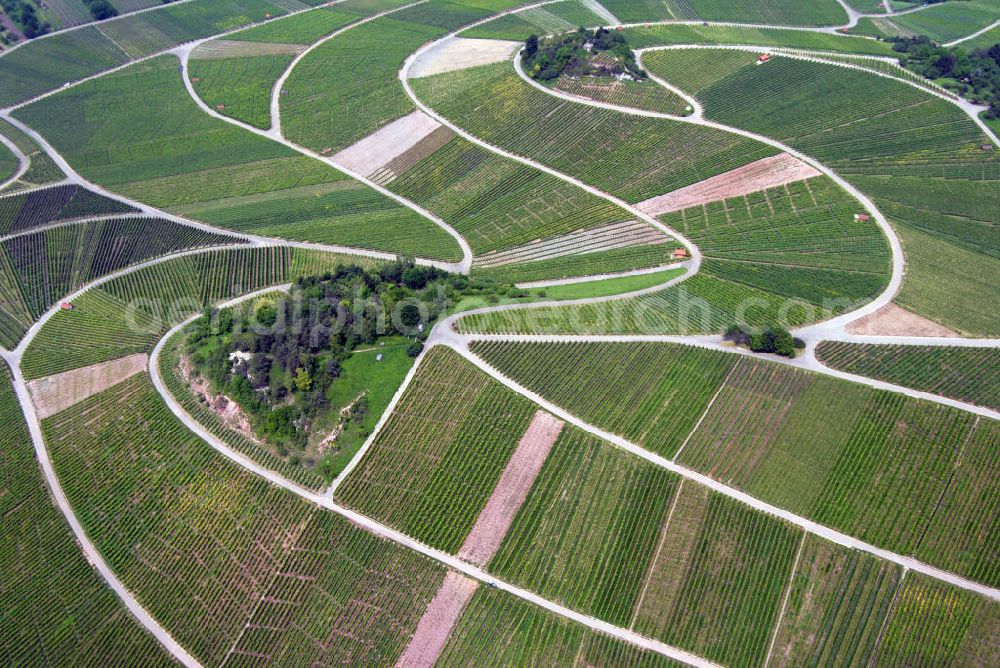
(23, 13)
(776, 340)
(574, 54)
(101, 9)
(291, 347)
(973, 74)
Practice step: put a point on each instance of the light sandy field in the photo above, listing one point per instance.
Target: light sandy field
(53, 394)
(750, 178)
(380, 148)
(607, 237)
(439, 619)
(511, 490)
(459, 54)
(222, 48)
(891, 320)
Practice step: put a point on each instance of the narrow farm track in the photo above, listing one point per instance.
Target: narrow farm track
(23, 162)
(835, 324)
(74, 178)
(974, 35)
(92, 554)
(63, 31)
(970, 109)
(73, 222)
(695, 253)
(807, 360)
(275, 104)
(155, 54)
(853, 15)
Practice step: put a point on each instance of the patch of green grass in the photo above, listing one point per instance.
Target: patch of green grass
(611, 286)
(362, 372)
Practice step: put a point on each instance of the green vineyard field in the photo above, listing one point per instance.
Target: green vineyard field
(57, 610)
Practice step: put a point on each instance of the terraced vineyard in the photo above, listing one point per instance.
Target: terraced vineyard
(238, 536)
(966, 374)
(129, 314)
(239, 432)
(236, 75)
(45, 65)
(41, 267)
(633, 158)
(926, 169)
(881, 474)
(74, 617)
(462, 452)
(779, 12)
(208, 170)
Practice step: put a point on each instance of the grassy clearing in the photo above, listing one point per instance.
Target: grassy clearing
(58, 609)
(588, 529)
(439, 456)
(611, 286)
(966, 374)
(205, 168)
(795, 250)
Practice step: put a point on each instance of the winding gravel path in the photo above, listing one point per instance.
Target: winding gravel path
(463, 267)
(379, 529)
(896, 277)
(23, 162)
(808, 525)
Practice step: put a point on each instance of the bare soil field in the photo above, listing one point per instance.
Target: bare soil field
(439, 619)
(891, 320)
(56, 393)
(759, 175)
(382, 147)
(512, 489)
(459, 54)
